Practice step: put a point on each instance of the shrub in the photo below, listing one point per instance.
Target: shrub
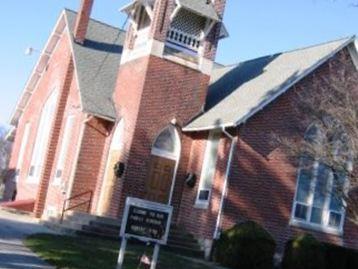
(340, 257)
(304, 252)
(245, 246)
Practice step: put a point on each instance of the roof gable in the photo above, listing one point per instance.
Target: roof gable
(97, 63)
(238, 92)
(200, 7)
(39, 69)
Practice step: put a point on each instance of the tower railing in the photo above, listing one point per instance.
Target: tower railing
(183, 41)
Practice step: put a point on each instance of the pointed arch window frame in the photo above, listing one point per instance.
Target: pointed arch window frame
(41, 143)
(324, 226)
(173, 155)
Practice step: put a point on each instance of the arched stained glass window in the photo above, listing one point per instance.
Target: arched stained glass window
(167, 143)
(318, 202)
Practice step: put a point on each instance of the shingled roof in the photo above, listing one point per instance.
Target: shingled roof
(97, 62)
(200, 7)
(239, 91)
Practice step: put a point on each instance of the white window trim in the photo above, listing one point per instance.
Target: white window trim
(117, 143)
(325, 219)
(24, 142)
(164, 154)
(65, 144)
(214, 138)
(175, 156)
(39, 149)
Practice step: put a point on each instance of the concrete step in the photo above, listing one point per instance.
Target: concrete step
(60, 228)
(108, 221)
(76, 215)
(101, 230)
(87, 218)
(102, 227)
(96, 223)
(98, 235)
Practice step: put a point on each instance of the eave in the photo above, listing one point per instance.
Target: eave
(39, 69)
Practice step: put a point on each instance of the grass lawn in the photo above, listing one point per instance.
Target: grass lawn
(94, 253)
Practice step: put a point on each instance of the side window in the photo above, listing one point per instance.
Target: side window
(208, 170)
(66, 139)
(23, 147)
(42, 138)
(317, 202)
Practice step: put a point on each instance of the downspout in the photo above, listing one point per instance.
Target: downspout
(225, 187)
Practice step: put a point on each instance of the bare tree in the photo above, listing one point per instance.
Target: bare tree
(4, 153)
(331, 103)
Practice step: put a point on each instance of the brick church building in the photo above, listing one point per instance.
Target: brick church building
(148, 113)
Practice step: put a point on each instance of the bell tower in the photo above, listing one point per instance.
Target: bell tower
(163, 78)
(185, 31)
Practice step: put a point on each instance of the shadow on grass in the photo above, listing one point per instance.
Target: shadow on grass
(93, 253)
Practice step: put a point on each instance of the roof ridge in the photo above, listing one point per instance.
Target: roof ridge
(347, 38)
(98, 21)
(352, 37)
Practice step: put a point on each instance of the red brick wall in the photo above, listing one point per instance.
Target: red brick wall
(150, 93)
(102, 167)
(201, 222)
(89, 165)
(83, 20)
(54, 137)
(57, 193)
(262, 182)
(53, 76)
(212, 40)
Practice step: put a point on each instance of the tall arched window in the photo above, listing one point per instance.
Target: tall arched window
(42, 137)
(163, 166)
(318, 201)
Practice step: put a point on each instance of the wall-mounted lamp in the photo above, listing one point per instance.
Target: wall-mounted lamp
(119, 168)
(30, 50)
(190, 180)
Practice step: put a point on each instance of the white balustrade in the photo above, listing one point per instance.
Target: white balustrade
(182, 40)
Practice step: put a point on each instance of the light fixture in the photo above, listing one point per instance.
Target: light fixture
(30, 50)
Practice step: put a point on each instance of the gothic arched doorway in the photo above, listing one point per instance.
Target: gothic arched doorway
(165, 156)
(110, 180)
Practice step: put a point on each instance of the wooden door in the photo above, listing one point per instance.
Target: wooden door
(159, 181)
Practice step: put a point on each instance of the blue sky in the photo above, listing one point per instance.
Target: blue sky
(257, 27)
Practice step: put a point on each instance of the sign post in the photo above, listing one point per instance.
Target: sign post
(146, 221)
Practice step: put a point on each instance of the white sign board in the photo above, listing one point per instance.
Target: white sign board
(146, 221)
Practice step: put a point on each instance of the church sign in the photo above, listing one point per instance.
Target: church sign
(146, 221)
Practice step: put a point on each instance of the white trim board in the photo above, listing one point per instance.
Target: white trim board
(39, 68)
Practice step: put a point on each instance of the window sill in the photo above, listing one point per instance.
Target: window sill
(56, 184)
(202, 206)
(32, 181)
(317, 228)
(180, 59)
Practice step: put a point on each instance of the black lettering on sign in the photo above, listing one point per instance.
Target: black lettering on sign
(146, 223)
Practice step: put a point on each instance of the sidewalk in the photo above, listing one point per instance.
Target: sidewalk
(13, 229)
